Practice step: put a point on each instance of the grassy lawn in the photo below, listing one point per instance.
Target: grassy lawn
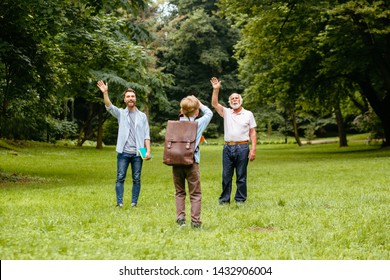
(309, 202)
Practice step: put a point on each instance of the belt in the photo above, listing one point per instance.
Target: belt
(232, 143)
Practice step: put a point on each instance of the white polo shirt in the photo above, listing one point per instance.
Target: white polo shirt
(237, 125)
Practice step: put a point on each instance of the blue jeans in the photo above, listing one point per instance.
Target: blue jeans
(234, 157)
(123, 161)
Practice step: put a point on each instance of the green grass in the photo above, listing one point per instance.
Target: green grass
(309, 202)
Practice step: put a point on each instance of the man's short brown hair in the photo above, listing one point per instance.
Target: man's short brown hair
(128, 90)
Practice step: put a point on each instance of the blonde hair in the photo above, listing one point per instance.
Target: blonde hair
(189, 105)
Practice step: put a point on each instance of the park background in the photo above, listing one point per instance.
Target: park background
(310, 71)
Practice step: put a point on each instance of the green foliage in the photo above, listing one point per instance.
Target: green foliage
(211, 131)
(315, 202)
(110, 128)
(294, 51)
(52, 51)
(26, 73)
(187, 6)
(60, 129)
(197, 45)
(157, 134)
(295, 57)
(369, 121)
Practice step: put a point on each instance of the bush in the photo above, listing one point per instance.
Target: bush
(369, 122)
(157, 134)
(110, 131)
(60, 129)
(211, 131)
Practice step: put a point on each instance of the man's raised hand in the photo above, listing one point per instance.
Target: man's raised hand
(215, 83)
(102, 86)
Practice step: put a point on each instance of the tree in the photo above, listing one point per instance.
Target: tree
(28, 72)
(360, 51)
(54, 51)
(303, 49)
(118, 52)
(196, 45)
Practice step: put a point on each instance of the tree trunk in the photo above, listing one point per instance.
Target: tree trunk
(340, 125)
(295, 127)
(380, 107)
(269, 129)
(386, 126)
(4, 103)
(378, 95)
(81, 139)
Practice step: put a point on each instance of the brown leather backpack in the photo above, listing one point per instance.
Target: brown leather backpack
(179, 146)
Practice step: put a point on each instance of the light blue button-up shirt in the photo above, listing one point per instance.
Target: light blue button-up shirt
(141, 127)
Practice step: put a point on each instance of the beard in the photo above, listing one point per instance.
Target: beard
(130, 103)
(235, 106)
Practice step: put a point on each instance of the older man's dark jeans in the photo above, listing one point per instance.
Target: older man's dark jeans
(234, 157)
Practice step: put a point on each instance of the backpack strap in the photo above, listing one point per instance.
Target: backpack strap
(181, 116)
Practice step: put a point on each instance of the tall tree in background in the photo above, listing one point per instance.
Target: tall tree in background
(196, 46)
(291, 50)
(138, 65)
(29, 71)
(54, 51)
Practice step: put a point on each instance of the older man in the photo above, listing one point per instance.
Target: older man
(239, 128)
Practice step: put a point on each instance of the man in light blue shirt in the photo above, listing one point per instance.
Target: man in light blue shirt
(133, 134)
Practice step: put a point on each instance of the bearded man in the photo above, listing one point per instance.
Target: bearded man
(133, 134)
(239, 129)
